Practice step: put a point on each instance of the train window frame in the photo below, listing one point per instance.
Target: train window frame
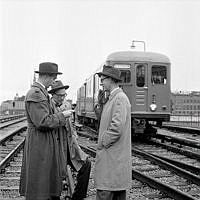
(138, 81)
(123, 67)
(159, 79)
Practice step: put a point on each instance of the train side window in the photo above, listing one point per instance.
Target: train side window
(159, 74)
(125, 76)
(140, 75)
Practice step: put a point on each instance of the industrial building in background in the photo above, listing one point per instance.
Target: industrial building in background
(13, 107)
(185, 103)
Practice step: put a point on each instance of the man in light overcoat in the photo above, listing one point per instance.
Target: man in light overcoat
(73, 155)
(112, 171)
(41, 173)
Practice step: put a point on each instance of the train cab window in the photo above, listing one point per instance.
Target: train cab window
(159, 74)
(140, 75)
(125, 76)
(125, 72)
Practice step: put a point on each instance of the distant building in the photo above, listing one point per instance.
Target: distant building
(185, 103)
(13, 107)
(16, 106)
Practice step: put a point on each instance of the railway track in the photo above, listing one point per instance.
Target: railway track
(153, 177)
(9, 178)
(179, 157)
(174, 181)
(171, 181)
(10, 118)
(11, 122)
(11, 146)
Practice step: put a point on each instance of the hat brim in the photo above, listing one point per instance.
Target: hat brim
(58, 88)
(109, 75)
(48, 72)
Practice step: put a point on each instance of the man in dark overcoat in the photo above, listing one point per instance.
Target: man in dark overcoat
(41, 173)
(73, 155)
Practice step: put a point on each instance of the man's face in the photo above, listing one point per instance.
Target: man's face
(105, 82)
(51, 79)
(59, 97)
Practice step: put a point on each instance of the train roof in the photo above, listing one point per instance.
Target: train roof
(138, 56)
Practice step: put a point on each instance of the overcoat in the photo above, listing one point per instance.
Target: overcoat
(41, 172)
(68, 142)
(113, 157)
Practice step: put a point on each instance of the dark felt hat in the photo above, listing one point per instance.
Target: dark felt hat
(48, 68)
(58, 85)
(111, 72)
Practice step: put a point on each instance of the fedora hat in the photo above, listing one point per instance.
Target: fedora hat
(110, 72)
(48, 68)
(58, 85)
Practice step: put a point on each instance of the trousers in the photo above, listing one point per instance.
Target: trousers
(83, 176)
(111, 195)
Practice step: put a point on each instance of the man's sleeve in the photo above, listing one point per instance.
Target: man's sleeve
(38, 109)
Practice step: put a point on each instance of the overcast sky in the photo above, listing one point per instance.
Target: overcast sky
(79, 35)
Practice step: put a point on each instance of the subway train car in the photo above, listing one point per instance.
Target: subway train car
(146, 81)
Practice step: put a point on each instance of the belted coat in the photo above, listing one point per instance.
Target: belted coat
(113, 157)
(41, 173)
(68, 142)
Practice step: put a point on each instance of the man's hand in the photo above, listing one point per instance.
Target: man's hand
(65, 106)
(67, 113)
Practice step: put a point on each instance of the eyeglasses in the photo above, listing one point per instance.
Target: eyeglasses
(102, 79)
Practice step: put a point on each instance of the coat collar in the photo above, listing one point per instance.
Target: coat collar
(114, 93)
(35, 84)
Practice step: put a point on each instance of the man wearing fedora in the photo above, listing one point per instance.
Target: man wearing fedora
(41, 168)
(73, 155)
(112, 172)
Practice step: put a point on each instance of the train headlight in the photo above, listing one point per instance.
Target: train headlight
(153, 107)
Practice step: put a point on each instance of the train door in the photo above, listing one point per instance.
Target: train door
(140, 91)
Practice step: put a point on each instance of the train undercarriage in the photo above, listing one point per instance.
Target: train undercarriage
(139, 127)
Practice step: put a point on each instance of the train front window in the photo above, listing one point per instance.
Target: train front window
(158, 74)
(125, 72)
(125, 76)
(140, 75)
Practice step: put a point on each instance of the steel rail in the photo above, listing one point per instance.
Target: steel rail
(15, 132)
(9, 123)
(170, 191)
(194, 178)
(174, 139)
(176, 149)
(182, 165)
(182, 128)
(5, 162)
(9, 118)
(152, 182)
